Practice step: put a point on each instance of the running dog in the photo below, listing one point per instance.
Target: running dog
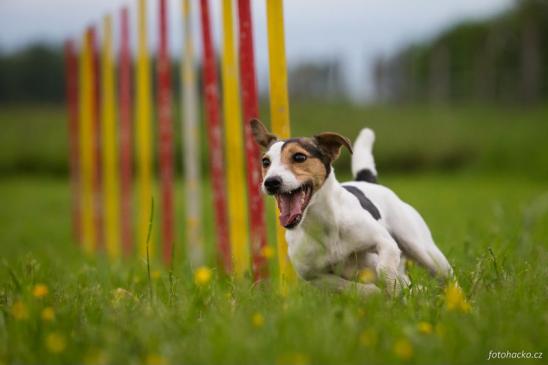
(335, 231)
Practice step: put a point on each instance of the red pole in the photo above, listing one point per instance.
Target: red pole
(71, 87)
(251, 110)
(125, 133)
(214, 135)
(165, 144)
(96, 115)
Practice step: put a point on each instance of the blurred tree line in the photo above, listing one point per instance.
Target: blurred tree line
(36, 74)
(318, 80)
(498, 60)
(33, 74)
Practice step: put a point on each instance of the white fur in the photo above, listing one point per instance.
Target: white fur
(337, 238)
(362, 158)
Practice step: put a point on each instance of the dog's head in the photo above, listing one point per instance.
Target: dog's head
(295, 169)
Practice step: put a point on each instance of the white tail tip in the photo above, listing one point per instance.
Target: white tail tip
(362, 158)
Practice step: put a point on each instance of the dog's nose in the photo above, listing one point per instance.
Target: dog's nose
(273, 184)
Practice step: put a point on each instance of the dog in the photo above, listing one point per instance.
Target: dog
(336, 231)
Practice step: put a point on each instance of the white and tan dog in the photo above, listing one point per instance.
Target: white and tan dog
(334, 231)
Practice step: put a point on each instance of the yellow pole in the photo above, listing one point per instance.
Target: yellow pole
(191, 138)
(143, 130)
(111, 181)
(87, 164)
(279, 110)
(236, 182)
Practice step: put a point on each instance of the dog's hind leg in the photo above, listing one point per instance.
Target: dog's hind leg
(415, 240)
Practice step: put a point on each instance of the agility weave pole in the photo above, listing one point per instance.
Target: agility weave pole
(71, 92)
(86, 131)
(111, 181)
(191, 137)
(126, 175)
(279, 110)
(237, 216)
(165, 135)
(250, 103)
(143, 136)
(214, 136)
(97, 140)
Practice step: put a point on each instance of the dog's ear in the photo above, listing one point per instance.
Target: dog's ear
(330, 143)
(262, 136)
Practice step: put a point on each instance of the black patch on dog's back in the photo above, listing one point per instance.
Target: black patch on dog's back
(364, 201)
(366, 175)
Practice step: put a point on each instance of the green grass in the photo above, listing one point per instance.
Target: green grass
(494, 231)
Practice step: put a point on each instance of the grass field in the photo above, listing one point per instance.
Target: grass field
(59, 306)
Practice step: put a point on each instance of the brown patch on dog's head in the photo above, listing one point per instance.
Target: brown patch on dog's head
(319, 153)
(303, 158)
(261, 135)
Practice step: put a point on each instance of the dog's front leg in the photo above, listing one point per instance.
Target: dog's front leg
(389, 256)
(339, 284)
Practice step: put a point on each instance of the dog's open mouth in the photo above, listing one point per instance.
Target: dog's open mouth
(293, 204)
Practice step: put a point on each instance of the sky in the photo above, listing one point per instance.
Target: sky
(355, 32)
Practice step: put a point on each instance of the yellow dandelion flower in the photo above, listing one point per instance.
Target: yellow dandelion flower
(47, 314)
(424, 328)
(202, 276)
(19, 311)
(155, 359)
(403, 349)
(155, 274)
(257, 320)
(267, 252)
(455, 299)
(55, 342)
(368, 338)
(367, 276)
(40, 290)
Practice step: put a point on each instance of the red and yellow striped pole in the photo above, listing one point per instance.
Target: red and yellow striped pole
(250, 102)
(111, 181)
(71, 85)
(125, 134)
(214, 136)
(234, 145)
(143, 140)
(191, 137)
(165, 134)
(279, 109)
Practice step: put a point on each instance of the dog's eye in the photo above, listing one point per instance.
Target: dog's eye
(266, 162)
(299, 157)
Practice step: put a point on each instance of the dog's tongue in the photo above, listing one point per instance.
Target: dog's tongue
(290, 206)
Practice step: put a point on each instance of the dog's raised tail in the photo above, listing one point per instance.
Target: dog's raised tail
(363, 163)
